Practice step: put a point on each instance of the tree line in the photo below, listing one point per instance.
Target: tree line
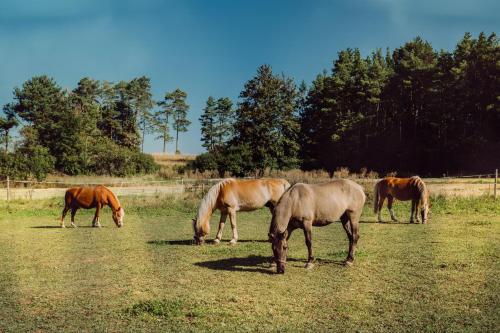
(96, 128)
(410, 110)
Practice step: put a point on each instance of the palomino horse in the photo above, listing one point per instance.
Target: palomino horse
(304, 206)
(232, 195)
(413, 189)
(92, 197)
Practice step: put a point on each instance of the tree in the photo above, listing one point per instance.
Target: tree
(267, 120)
(176, 101)
(142, 103)
(217, 123)
(208, 124)
(7, 123)
(162, 120)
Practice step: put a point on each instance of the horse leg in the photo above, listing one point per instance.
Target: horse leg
(308, 237)
(223, 216)
(412, 212)
(390, 200)
(64, 212)
(95, 222)
(345, 223)
(73, 212)
(353, 236)
(381, 200)
(232, 218)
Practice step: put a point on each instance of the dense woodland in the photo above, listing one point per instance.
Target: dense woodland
(410, 110)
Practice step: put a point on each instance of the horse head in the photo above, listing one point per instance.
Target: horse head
(279, 245)
(118, 217)
(199, 236)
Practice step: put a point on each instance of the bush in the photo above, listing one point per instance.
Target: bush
(27, 162)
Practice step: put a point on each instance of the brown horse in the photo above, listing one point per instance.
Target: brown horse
(403, 189)
(304, 206)
(92, 197)
(232, 195)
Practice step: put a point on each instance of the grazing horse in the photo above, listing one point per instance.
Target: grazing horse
(404, 189)
(304, 206)
(92, 197)
(231, 195)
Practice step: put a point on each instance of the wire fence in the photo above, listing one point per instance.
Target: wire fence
(30, 189)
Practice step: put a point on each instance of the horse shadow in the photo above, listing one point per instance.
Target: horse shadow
(245, 264)
(385, 222)
(59, 227)
(191, 241)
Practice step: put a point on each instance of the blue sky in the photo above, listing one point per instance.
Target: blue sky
(213, 47)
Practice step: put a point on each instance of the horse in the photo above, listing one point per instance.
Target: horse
(304, 206)
(403, 189)
(92, 197)
(231, 195)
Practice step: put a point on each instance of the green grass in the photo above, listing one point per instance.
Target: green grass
(443, 276)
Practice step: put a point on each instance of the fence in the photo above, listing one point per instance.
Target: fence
(32, 190)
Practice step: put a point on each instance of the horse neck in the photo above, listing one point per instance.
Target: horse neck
(207, 206)
(113, 202)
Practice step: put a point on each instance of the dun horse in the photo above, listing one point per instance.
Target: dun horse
(413, 189)
(304, 206)
(92, 197)
(232, 195)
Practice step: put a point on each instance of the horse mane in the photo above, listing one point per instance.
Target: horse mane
(209, 200)
(420, 186)
(113, 201)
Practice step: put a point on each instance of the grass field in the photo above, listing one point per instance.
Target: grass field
(147, 276)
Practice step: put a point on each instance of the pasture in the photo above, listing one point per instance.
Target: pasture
(147, 276)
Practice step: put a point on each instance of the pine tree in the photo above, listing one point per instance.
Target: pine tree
(176, 100)
(267, 120)
(208, 124)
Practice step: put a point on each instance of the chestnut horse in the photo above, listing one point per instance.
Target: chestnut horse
(92, 197)
(304, 206)
(232, 195)
(403, 189)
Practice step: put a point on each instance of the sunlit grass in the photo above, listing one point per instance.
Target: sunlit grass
(148, 277)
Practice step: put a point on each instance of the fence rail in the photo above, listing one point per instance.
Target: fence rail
(10, 189)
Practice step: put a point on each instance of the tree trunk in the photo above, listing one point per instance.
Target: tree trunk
(143, 133)
(177, 141)
(164, 144)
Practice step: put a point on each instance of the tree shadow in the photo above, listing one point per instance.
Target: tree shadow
(246, 264)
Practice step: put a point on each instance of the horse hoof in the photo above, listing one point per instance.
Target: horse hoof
(233, 242)
(63, 226)
(309, 265)
(216, 241)
(380, 221)
(348, 263)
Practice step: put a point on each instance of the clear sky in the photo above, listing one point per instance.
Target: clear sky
(212, 47)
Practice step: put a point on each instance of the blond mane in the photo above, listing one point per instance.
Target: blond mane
(209, 201)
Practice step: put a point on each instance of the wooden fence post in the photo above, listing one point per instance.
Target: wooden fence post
(494, 186)
(8, 189)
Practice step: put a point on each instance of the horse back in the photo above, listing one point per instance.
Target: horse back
(402, 188)
(246, 194)
(85, 197)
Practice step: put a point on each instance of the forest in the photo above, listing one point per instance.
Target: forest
(414, 110)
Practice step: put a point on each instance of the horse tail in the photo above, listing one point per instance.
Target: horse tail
(422, 190)
(202, 223)
(376, 196)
